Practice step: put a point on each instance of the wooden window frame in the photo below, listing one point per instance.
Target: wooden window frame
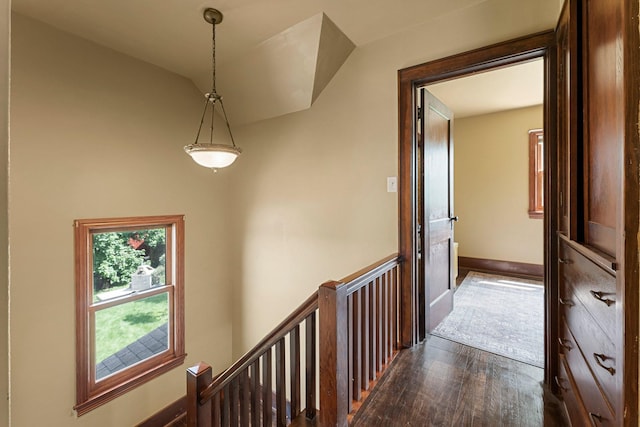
(91, 393)
(536, 175)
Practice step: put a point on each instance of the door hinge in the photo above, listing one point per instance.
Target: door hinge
(418, 112)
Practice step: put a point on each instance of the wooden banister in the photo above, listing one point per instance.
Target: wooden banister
(334, 372)
(358, 336)
(357, 339)
(198, 377)
(295, 318)
(360, 278)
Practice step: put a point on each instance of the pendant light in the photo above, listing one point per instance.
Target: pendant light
(208, 154)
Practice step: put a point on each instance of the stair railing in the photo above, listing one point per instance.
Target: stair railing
(358, 338)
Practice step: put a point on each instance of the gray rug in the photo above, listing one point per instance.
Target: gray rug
(498, 314)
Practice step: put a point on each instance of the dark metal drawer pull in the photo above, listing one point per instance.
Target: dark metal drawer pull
(566, 302)
(565, 343)
(564, 261)
(558, 382)
(600, 297)
(596, 417)
(602, 358)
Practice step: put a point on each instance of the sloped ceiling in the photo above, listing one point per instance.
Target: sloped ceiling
(285, 73)
(172, 34)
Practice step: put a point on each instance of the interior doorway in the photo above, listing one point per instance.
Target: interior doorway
(478, 163)
(490, 58)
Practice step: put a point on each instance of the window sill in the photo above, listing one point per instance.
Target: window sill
(106, 396)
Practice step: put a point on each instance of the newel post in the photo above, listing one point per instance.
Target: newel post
(198, 378)
(334, 354)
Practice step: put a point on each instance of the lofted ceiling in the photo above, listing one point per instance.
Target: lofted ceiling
(172, 34)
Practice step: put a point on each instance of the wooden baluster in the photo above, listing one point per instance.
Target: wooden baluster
(216, 410)
(198, 378)
(385, 324)
(255, 393)
(226, 405)
(392, 315)
(397, 286)
(294, 361)
(310, 365)
(357, 345)
(281, 390)
(234, 402)
(334, 378)
(373, 318)
(350, 351)
(379, 324)
(392, 312)
(245, 399)
(366, 320)
(267, 391)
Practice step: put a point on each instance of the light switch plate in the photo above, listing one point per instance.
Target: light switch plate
(392, 184)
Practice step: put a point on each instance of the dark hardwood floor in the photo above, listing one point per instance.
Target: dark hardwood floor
(442, 383)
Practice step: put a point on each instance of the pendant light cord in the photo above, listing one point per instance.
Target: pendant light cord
(213, 58)
(213, 96)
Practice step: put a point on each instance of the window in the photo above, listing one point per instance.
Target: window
(129, 304)
(536, 173)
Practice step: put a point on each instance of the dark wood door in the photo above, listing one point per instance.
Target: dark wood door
(436, 128)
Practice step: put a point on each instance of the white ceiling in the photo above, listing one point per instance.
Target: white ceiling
(517, 86)
(172, 34)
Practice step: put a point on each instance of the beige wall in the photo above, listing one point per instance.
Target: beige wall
(306, 202)
(97, 134)
(310, 200)
(5, 25)
(491, 154)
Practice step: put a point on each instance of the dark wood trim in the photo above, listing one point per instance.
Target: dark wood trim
(628, 221)
(506, 267)
(407, 245)
(166, 415)
(486, 58)
(552, 219)
(539, 45)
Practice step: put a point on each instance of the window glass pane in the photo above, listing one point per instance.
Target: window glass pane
(129, 261)
(130, 333)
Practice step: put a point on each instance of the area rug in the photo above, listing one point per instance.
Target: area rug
(498, 314)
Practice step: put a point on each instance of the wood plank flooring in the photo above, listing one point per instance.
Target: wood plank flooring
(442, 383)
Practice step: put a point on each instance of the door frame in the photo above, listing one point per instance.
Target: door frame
(511, 52)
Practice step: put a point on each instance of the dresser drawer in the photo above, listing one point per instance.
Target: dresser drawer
(594, 287)
(586, 387)
(597, 348)
(575, 409)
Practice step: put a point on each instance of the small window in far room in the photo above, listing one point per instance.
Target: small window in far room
(129, 304)
(536, 173)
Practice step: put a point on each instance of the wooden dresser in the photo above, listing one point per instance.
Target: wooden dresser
(588, 372)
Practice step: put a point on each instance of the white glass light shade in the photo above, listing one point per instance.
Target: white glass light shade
(214, 156)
